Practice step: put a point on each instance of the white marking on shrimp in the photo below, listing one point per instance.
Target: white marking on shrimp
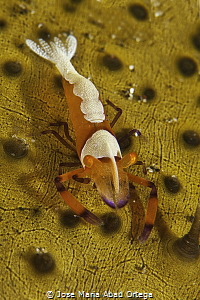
(60, 54)
(103, 144)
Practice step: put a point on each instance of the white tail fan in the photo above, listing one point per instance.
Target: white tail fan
(58, 53)
(53, 50)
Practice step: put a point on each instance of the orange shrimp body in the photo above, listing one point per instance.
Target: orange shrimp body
(83, 128)
(96, 144)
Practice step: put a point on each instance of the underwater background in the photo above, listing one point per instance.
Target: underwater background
(144, 56)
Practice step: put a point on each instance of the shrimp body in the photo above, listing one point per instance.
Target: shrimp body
(94, 135)
(96, 144)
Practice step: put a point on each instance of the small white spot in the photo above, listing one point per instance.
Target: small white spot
(158, 13)
(138, 39)
(131, 67)
(132, 90)
(40, 25)
(136, 134)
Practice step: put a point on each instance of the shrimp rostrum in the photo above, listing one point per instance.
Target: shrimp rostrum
(96, 144)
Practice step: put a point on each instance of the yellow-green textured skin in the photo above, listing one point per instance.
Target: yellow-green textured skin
(85, 258)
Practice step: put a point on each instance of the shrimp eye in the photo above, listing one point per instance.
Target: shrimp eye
(89, 161)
